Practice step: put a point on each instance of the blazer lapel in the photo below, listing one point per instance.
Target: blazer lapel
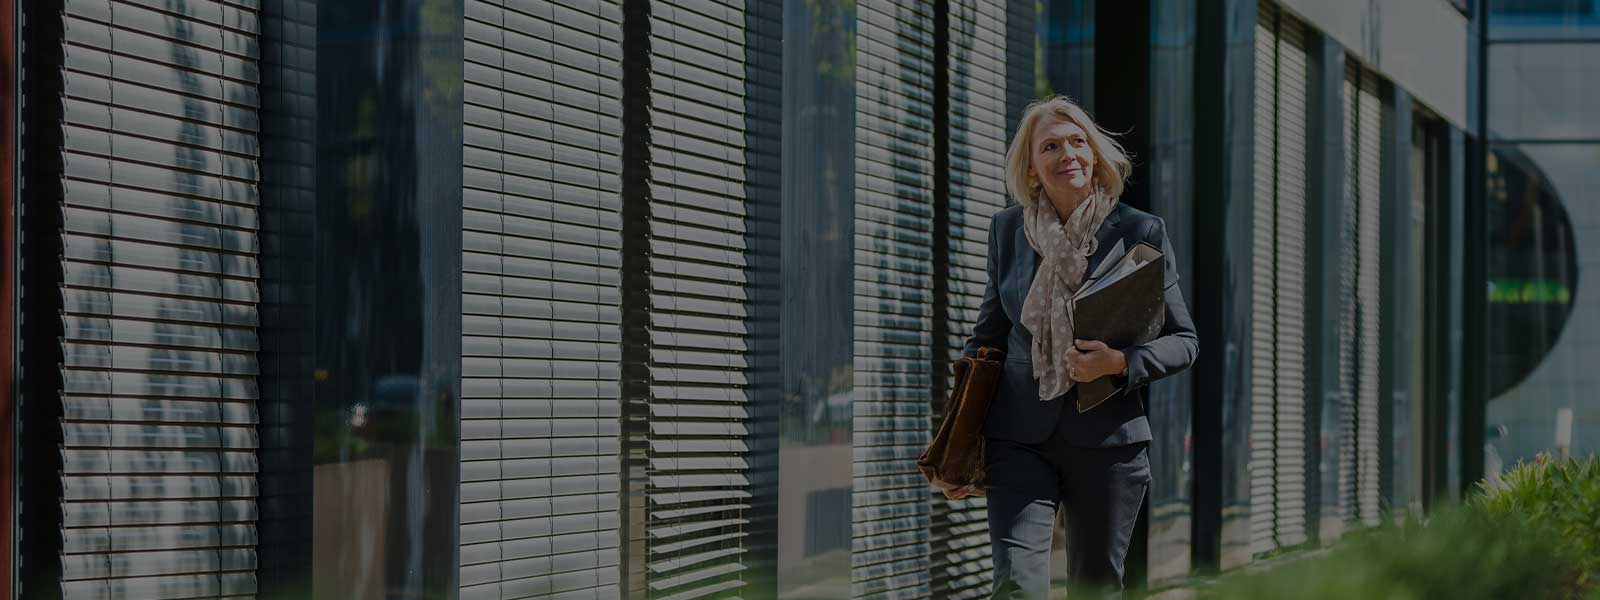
(1028, 262)
(1109, 232)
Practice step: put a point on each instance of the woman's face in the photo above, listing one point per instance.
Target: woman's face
(1063, 160)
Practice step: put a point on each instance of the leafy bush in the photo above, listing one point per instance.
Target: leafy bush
(1460, 554)
(1536, 535)
(1560, 496)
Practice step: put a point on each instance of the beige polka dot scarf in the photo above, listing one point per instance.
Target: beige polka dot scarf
(1064, 250)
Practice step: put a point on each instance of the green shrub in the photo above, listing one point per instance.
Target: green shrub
(1459, 554)
(1561, 496)
(1536, 535)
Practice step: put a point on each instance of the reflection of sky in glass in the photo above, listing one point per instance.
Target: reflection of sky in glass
(1544, 91)
(1541, 79)
(1546, 349)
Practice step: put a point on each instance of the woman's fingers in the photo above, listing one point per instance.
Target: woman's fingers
(1078, 358)
(1085, 365)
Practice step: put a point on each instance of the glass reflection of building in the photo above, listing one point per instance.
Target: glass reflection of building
(1542, 326)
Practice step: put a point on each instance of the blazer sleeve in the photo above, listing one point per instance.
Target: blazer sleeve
(1175, 349)
(993, 326)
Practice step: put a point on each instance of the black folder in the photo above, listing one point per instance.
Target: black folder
(1123, 305)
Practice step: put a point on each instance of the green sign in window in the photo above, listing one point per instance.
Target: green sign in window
(1532, 291)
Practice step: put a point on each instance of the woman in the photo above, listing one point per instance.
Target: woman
(1066, 175)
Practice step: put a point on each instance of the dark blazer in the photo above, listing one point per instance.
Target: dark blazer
(1017, 414)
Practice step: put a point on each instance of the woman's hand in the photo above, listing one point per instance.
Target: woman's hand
(1089, 360)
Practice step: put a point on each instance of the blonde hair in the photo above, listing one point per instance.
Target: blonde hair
(1107, 152)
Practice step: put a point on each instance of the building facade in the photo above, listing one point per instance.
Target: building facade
(657, 298)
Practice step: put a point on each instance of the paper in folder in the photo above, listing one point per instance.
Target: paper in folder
(1122, 305)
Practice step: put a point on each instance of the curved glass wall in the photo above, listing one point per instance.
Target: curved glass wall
(1543, 320)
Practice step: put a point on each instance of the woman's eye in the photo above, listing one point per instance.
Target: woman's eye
(1050, 146)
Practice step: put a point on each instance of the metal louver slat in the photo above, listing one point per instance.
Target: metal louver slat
(541, 335)
(160, 300)
(1263, 352)
(962, 565)
(1368, 172)
(890, 552)
(702, 186)
(1290, 274)
(1348, 340)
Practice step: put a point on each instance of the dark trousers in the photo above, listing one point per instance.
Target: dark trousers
(1097, 490)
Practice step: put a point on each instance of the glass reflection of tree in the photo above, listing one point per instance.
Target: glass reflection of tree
(819, 384)
(833, 24)
(183, 364)
(894, 259)
(441, 67)
(1041, 77)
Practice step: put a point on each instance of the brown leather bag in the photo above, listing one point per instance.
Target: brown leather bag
(955, 458)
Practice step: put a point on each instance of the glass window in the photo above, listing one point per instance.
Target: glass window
(1544, 91)
(1525, 19)
(1544, 325)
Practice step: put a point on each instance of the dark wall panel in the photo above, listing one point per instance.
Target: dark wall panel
(1225, 150)
(1122, 84)
(287, 221)
(1400, 367)
(9, 77)
(39, 215)
(1324, 292)
(1168, 166)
